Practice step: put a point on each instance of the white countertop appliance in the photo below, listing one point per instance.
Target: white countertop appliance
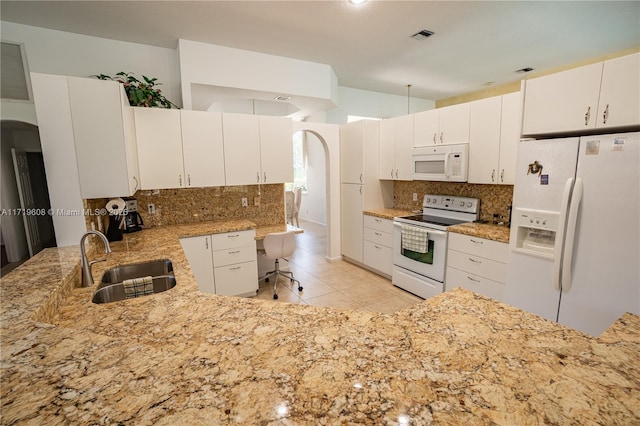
(574, 250)
(420, 242)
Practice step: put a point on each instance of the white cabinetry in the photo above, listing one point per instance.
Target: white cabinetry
(396, 144)
(582, 99)
(198, 253)
(442, 126)
(159, 148)
(494, 133)
(378, 244)
(360, 189)
(202, 148)
(224, 263)
(477, 264)
(257, 149)
(105, 140)
(235, 267)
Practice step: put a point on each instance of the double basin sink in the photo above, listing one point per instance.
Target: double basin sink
(112, 289)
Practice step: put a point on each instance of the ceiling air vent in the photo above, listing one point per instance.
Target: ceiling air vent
(523, 70)
(421, 35)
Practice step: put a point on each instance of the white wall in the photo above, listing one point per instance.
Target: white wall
(365, 103)
(314, 201)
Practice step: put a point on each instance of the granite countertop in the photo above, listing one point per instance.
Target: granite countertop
(388, 213)
(185, 357)
(482, 230)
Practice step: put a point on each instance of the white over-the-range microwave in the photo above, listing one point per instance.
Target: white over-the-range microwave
(441, 163)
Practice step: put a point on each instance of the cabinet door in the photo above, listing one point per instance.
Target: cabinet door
(619, 104)
(241, 149)
(484, 140)
(352, 222)
(387, 150)
(276, 149)
(99, 137)
(159, 148)
(351, 153)
(198, 251)
(562, 102)
(475, 283)
(404, 146)
(426, 128)
(131, 145)
(509, 137)
(237, 280)
(454, 124)
(202, 147)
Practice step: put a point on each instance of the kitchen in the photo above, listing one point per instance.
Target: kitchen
(185, 380)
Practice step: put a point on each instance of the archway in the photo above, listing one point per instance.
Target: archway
(329, 137)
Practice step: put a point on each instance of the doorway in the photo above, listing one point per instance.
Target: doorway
(27, 226)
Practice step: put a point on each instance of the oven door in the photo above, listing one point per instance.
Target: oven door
(431, 264)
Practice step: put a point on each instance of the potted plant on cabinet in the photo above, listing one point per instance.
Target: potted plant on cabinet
(141, 93)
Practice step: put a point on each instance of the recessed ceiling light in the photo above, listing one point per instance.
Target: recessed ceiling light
(282, 98)
(357, 1)
(421, 35)
(523, 70)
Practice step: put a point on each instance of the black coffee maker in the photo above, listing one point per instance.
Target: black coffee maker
(132, 219)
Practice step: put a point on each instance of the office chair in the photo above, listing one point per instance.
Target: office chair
(279, 245)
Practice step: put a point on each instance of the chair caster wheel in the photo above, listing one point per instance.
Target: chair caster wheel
(299, 288)
(266, 280)
(275, 297)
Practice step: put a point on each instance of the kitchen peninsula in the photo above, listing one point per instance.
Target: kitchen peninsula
(184, 357)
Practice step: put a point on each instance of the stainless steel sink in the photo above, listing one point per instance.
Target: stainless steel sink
(114, 292)
(120, 273)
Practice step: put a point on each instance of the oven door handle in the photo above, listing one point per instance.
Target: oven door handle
(430, 231)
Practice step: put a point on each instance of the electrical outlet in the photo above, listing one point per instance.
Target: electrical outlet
(151, 208)
(256, 201)
(245, 203)
(415, 196)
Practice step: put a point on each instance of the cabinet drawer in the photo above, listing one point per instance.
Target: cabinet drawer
(237, 280)
(378, 237)
(378, 257)
(488, 249)
(477, 265)
(475, 283)
(379, 224)
(234, 255)
(233, 239)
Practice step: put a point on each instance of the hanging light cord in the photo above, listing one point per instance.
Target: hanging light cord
(408, 98)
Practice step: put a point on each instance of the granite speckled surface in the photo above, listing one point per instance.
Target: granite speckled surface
(482, 230)
(387, 213)
(184, 357)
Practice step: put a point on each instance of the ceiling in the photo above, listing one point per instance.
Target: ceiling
(369, 46)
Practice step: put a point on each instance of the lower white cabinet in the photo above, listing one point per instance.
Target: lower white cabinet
(378, 244)
(224, 263)
(477, 264)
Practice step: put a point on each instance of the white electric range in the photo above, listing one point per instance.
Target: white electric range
(422, 273)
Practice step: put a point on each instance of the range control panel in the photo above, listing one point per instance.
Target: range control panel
(447, 202)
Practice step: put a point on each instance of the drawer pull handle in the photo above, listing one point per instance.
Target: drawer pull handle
(233, 236)
(474, 260)
(378, 234)
(475, 241)
(378, 247)
(473, 279)
(234, 252)
(235, 269)
(378, 220)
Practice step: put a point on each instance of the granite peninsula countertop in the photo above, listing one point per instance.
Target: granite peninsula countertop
(184, 357)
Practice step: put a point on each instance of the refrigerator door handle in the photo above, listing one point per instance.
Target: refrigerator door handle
(567, 257)
(560, 235)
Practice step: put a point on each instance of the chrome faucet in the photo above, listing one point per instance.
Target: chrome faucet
(87, 278)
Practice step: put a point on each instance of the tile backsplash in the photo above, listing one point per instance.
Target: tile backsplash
(190, 205)
(494, 199)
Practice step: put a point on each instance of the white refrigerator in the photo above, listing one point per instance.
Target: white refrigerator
(575, 235)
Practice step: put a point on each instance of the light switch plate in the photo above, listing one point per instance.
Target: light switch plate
(415, 196)
(245, 203)
(256, 201)
(151, 208)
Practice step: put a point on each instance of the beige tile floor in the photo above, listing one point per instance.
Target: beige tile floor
(335, 284)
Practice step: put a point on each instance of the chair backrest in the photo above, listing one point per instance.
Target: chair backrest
(298, 198)
(279, 244)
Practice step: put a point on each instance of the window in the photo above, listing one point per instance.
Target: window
(299, 162)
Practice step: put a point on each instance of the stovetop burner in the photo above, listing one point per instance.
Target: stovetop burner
(435, 220)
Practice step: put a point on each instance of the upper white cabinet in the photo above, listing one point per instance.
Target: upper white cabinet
(352, 152)
(257, 149)
(159, 148)
(442, 126)
(105, 140)
(494, 133)
(396, 144)
(202, 148)
(601, 95)
(619, 104)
